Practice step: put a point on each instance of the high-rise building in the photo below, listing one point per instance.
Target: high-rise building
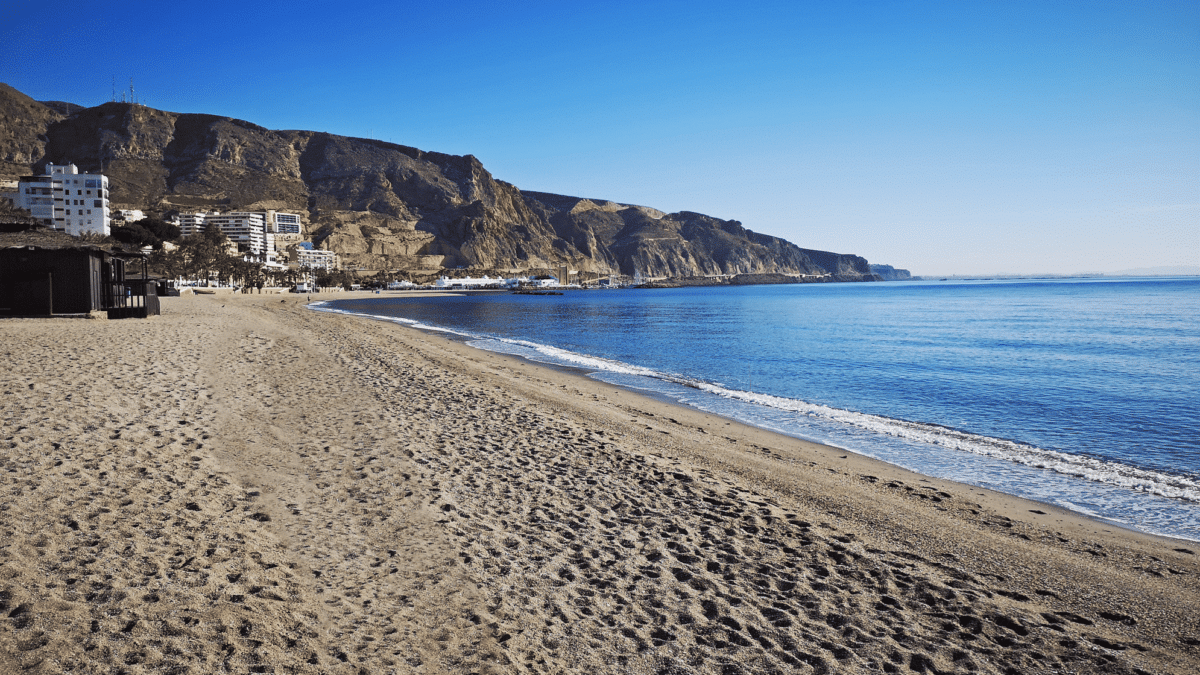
(65, 199)
(243, 228)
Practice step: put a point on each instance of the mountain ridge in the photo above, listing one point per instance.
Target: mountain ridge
(382, 205)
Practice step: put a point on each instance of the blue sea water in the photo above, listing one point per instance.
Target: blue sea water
(1084, 393)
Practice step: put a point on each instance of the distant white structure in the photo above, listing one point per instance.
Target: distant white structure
(67, 200)
(472, 282)
(316, 259)
(400, 285)
(129, 215)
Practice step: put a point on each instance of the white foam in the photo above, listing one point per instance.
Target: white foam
(558, 356)
(1072, 506)
(1079, 466)
(319, 306)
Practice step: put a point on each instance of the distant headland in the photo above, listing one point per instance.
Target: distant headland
(382, 206)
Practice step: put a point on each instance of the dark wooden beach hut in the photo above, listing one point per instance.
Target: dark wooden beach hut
(51, 273)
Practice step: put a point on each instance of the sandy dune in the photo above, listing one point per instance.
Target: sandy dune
(245, 485)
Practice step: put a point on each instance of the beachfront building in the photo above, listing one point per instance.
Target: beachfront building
(472, 282)
(245, 229)
(254, 233)
(316, 258)
(64, 199)
(271, 253)
(47, 273)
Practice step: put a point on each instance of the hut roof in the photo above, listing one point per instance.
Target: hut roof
(56, 240)
(13, 219)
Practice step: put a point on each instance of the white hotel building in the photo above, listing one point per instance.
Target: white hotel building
(242, 228)
(67, 200)
(252, 232)
(316, 258)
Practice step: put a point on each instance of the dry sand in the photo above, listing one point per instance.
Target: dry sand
(245, 485)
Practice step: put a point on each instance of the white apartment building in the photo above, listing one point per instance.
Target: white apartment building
(316, 259)
(67, 200)
(254, 232)
(271, 252)
(190, 224)
(282, 223)
(244, 228)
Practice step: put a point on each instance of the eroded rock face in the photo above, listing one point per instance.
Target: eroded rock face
(375, 240)
(889, 273)
(23, 124)
(382, 205)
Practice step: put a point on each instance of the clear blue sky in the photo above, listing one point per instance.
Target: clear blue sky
(943, 137)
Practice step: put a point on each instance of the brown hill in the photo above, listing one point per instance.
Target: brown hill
(23, 125)
(381, 205)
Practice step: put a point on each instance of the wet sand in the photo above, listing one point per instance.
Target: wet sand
(245, 485)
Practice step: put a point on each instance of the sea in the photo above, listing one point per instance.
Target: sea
(1081, 393)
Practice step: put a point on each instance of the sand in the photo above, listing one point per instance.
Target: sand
(245, 485)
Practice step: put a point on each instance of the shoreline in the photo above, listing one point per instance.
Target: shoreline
(246, 483)
(580, 371)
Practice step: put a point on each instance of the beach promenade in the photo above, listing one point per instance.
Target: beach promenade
(245, 485)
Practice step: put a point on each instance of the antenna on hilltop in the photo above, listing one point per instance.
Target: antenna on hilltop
(114, 94)
(132, 96)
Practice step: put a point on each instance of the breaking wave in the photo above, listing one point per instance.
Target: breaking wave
(1180, 487)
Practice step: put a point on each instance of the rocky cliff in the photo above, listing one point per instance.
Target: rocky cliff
(23, 125)
(381, 205)
(889, 273)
